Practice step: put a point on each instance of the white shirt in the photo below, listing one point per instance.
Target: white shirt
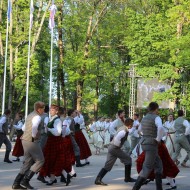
(115, 124)
(65, 128)
(19, 125)
(57, 127)
(107, 125)
(134, 130)
(35, 123)
(79, 119)
(93, 127)
(117, 138)
(2, 121)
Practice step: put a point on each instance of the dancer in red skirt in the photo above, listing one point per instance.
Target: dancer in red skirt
(85, 151)
(68, 169)
(170, 170)
(54, 150)
(18, 148)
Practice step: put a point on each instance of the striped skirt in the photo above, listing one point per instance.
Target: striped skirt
(55, 157)
(85, 151)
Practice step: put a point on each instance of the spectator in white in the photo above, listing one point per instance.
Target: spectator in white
(3, 134)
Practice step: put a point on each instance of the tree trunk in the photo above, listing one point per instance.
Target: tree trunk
(90, 31)
(38, 31)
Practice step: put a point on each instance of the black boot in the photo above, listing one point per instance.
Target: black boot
(68, 179)
(101, 174)
(63, 179)
(16, 184)
(128, 174)
(158, 178)
(139, 183)
(78, 163)
(25, 181)
(6, 159)
(42, 179)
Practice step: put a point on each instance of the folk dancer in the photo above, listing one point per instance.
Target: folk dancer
(43, 140)
(70, 119)
(33, 155)
(98, 135)
(53, 150)
(3, 134)
(18, 150)
(182, 128)
(115, 151)
(85, 151)
(153, 132)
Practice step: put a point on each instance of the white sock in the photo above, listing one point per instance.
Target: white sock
(171, 181)
(86, 160)
(52, 177)
(72, 171)
(64, 173)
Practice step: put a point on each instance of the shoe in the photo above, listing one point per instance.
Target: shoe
(169, 183)
(42, 179)
(174, 187)
(63, 179)
(52, 182)
(184, 165)
(130, 180)
(16, 160)
(68, 179)
(87, 163)
(8, 161)
(18, 187)
(74, 175)
(80, 165)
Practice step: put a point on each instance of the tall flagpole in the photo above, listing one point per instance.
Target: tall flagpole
(51, 65)
(6, 47)
(51, 26)
(28, 65)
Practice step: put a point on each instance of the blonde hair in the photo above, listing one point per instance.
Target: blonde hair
(38, 105)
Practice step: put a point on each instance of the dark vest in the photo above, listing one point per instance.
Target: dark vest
(178, 125)
(4, 128)
(42, 123)
(124, 138)
(148, 125)
(50, 125)
(77, 127)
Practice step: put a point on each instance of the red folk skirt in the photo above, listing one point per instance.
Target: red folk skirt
(85, 151)
(69, 153)
(55, 157)
(18, 148)
(169, 167)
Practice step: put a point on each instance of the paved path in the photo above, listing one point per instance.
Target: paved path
(86, 175)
